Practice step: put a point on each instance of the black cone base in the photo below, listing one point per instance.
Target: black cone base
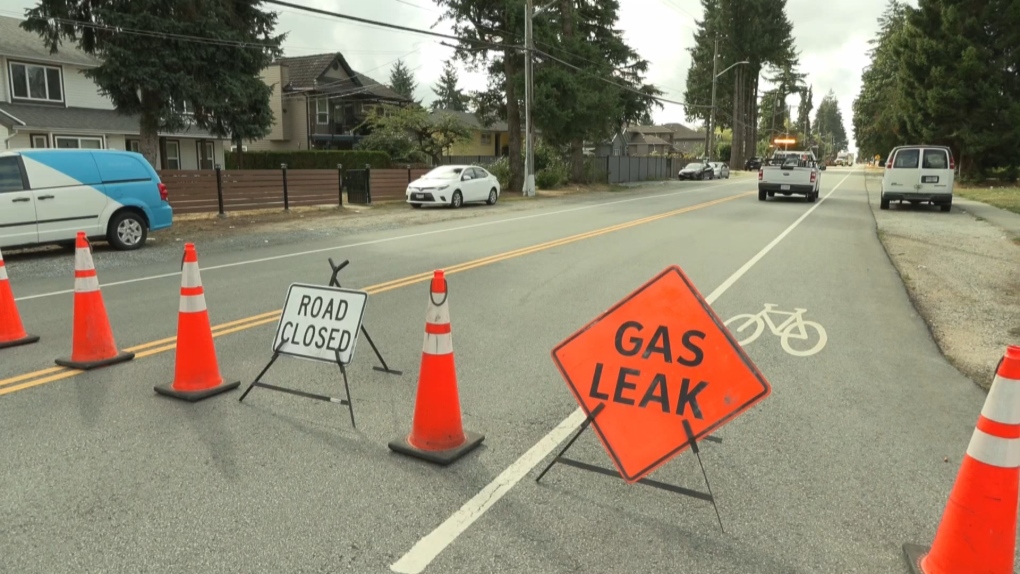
(440, 457)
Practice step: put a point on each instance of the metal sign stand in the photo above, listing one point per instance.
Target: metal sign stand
(708, 497)
(335, 282)
(343, 371)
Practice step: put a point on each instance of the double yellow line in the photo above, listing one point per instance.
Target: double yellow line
(43, 376)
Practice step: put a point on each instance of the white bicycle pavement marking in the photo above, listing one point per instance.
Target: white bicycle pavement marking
(793, 328)
(395, 238)
(428, 548)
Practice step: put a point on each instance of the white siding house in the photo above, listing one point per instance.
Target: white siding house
(47, 101)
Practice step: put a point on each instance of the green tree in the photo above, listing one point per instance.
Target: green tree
(804, 113)
(829, 128)
(217, 79)
(877, 120)
(588, 81)
(411, 131)
(402, 81)
(481, 24)
(448, 95)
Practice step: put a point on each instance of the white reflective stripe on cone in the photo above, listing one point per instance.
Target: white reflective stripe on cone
(438, 344)
(993, 450)
(1003, 402)
(438, 314)
(190, 276)
(192, 303)
(3, 272)
(83, 259)
(86, 284)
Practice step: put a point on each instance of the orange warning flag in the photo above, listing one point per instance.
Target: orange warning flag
(666, 370)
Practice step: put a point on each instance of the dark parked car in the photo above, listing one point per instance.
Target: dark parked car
(697, 170)
(752, 164)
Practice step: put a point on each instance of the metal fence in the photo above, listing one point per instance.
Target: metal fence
(628, 169)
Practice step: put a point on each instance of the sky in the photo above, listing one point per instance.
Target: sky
(832, 38)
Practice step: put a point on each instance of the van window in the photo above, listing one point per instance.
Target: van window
(116, 167)
(935, 159)
(907, 159)
(10, 175)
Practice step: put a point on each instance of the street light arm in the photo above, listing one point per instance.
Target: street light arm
(731, 67)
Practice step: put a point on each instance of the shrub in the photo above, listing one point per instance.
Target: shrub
(501, 169)
(308, 159)
(554, 175)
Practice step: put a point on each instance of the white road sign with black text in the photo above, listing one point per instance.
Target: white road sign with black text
(320, 323)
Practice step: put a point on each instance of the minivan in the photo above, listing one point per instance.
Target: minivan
(919, 173)
(49, 195)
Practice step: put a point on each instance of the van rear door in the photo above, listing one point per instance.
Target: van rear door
(903, 177)
(17, 205)
(69, 194)
(936, 176)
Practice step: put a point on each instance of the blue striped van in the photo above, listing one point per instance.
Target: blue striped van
(49, 195)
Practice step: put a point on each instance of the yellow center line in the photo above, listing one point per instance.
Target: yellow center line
(51, 374)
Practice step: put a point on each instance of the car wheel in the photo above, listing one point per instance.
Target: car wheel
(457, 200)
(493, 196)
(127, 231)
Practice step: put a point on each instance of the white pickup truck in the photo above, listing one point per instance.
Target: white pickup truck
(790, 173)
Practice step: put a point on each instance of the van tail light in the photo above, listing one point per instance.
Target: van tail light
(952, 162)
(164, 195)
(888, 164)
(761, 174)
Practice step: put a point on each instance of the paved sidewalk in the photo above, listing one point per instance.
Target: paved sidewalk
(1001, 218)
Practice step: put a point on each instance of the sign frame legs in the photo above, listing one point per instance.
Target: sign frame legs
(334, 281)
(709, 497)
(347, 401)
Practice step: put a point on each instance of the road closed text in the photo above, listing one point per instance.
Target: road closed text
(318, 324)
(646, 385)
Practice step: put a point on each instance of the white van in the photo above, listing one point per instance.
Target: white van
(49, 195)
(919, 173)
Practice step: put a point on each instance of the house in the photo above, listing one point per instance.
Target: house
(664, 140)
(489, 141)
(320, 102)
(686, 141)
(46, 101)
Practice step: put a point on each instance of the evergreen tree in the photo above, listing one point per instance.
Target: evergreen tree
(804, 113)
(829, 128)
(402, 81)
(217, 79)
(448, 95)
(877, 120)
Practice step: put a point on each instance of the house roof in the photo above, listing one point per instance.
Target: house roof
(305, 71)
(649, 129)
(684, 132)
(472, 121)
(648, 139)
(18, 43)
(27, 117)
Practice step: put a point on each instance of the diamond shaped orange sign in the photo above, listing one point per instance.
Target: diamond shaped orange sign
(658, 361)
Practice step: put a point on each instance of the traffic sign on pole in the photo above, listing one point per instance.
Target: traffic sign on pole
(665, 370)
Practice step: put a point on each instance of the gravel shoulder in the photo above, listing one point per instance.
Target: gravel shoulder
(961, 270)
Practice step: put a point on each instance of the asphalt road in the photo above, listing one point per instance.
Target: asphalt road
(833, 472)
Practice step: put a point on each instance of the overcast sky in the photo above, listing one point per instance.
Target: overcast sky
(832, 37)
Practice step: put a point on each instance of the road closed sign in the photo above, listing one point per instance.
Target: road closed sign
(661, 363)
(320, 323)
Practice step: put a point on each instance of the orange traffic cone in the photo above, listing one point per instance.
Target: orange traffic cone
(12, 332)
(92, 344)
(436, 432)
(977, 534)
(196, 373)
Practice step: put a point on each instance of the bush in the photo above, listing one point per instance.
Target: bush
(555, 174)
(308, 159)
(501, 169)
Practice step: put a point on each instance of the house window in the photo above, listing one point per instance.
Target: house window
(134, 145)
(40, 140)
(322, 112)
(181, 107)
(35, 82)
(205, 155)
(173, 155)
(486, 139)
(75, 142)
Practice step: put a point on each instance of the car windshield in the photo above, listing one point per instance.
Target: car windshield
(445, 172)
(694, 166)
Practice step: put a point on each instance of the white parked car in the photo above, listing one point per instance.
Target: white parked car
(919, 173)
(722, 171)
(454, 185)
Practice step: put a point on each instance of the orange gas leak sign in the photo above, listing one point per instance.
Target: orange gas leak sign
(665, 369)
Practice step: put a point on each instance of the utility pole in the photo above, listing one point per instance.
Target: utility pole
(711, 121)
(529, 144)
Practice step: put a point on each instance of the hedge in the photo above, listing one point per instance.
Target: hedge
(308, 159)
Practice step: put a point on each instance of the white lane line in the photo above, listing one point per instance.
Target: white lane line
(388, 239)
(425, 551)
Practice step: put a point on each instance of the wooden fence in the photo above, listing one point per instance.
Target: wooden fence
(212, 191)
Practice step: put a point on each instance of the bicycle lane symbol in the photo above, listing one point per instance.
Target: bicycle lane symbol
(793, 329)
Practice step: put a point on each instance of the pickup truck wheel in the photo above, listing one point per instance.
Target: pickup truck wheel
(761, 195)
(813, 197)
(883, 203)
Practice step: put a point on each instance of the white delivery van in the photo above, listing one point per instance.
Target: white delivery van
(919, 174)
